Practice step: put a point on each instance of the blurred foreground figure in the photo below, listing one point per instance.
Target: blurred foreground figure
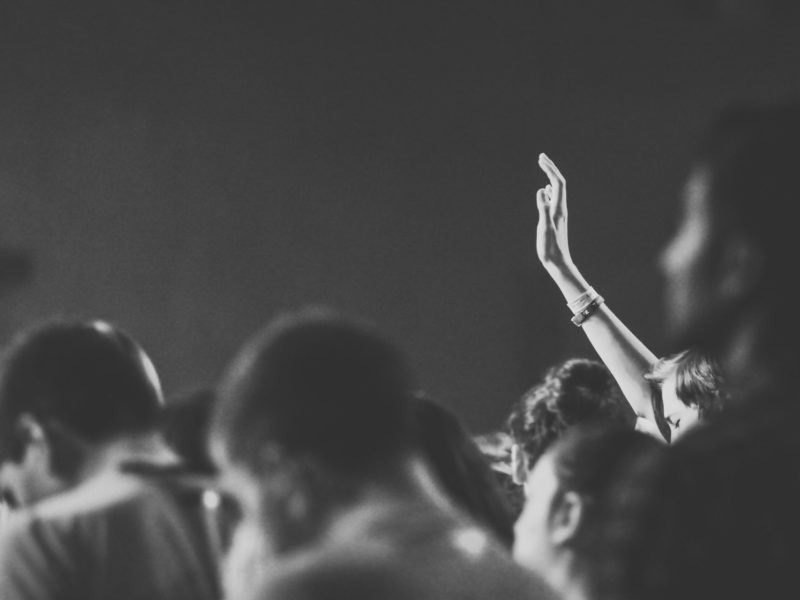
(718, 517)
(314, 436)
(728, 269)
(462, 469)
(560, 532)
(81, 460)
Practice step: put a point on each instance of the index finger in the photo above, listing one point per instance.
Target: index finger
(550, 168)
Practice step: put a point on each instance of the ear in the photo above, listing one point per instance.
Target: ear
(36, 448)
(565, 518)
(32, 437)
(289, 482)
(519, 465)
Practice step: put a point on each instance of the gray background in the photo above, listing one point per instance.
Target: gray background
(187, 169)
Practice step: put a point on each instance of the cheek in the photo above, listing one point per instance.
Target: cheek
(529, 536)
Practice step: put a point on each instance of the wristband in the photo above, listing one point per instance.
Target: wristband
(583, 300)
(587, 312)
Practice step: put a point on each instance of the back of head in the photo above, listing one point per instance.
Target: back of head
(716, 516)
(319, 384)
(86, 377)
(461, 467)
(561, 532)
(576, 391)
(588, 460)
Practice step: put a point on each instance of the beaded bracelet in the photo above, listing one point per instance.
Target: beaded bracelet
(587, 312)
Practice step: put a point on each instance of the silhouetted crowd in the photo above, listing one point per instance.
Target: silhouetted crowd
(318, 467)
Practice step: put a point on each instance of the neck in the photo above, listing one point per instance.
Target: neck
(343, 509)
(109, 456)
(568, 578)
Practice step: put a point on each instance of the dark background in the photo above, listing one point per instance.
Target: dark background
(187, 168)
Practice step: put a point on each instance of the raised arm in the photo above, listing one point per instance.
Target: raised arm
(624, 354)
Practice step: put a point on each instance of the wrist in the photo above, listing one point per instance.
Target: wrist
(578, 303)
(586, 305)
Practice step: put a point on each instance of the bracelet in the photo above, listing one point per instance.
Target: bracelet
(587, 312)
(584, 300)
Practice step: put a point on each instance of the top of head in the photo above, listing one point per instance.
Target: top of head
(88, 376)
(316, 383)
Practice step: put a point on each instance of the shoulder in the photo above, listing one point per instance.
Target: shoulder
(466, 567)
(328, 576)
(95, 495)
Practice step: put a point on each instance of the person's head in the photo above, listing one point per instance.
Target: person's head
(726, 267)
(461, 467)
(558, 534)
(714, 517)
(578, 390)
(67, 389)
(687, 387)
(314, 399)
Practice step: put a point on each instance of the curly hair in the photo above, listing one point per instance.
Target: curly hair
(578, 390)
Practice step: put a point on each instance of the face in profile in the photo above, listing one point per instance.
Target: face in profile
(679, 416)
(687, 262)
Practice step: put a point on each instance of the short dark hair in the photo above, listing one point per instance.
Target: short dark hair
(698, 381)
(89, 377)
(588, 460)
(577, 390)
(319, 383)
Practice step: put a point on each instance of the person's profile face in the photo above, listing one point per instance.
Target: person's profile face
(678, 415)
(686, 260)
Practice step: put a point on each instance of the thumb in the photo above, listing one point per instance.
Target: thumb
(541, 204)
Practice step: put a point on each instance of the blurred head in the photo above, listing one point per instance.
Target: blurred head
(576, 391)
(726, 265)
(715, 517)
(559, 531)
(313, 396)
(687, 387)
(67, 388)
(461, 467)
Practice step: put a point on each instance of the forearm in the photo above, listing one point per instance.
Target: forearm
(625, 355)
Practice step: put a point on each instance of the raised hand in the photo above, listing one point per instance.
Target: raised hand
(552, 243)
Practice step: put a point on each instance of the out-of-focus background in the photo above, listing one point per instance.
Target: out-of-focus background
(188, 168)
